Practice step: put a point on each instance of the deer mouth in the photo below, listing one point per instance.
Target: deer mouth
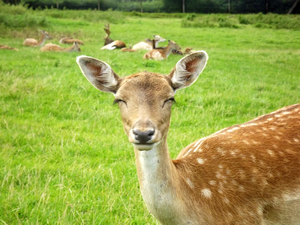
(143, 147)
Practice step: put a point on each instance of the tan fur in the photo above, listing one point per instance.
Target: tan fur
(56, 48)
(148, 43)
(163, 53)
(7, 47)
(128, 49)
(247, 174)
(188, 50)
(34, 43)
(67, 40)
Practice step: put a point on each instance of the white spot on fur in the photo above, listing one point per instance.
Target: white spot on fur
(271, 153)
(220, 176)
(227, 202)
(233, 129)
(200, 161)
(246, 142)
(189, 182)
(212, 182)
(206, 192)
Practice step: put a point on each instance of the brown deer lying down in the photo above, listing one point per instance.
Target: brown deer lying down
(56, 48)
(110, 44)
(247, 174)
(162, 53)
(67, 40)
(148, 43)
(7, 47)
(128, 49)
(34, 43)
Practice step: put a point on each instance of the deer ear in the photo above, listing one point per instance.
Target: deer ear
(188, 69)
(99, 74)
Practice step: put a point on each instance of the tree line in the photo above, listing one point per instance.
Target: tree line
(171, 6)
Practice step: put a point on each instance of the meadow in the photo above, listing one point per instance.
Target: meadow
(64, 158)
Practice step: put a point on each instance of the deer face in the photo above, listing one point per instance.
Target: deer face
(145, 99)
(47, 35)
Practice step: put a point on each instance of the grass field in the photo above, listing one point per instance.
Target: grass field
(64, 158)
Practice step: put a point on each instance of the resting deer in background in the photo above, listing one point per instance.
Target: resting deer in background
(34, 43)
(7, 47)
(128, 49)
(56, 48)
(148, 43)
(110, 44)
(67, 40)
(162, 53)
(243, 174)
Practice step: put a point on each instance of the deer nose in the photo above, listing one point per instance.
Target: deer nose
(143, 136)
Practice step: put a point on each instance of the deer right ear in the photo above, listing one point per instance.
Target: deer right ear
(188, 69)
(99, 74)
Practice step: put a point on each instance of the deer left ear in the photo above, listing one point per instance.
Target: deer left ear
(99, 74)
(188, 69)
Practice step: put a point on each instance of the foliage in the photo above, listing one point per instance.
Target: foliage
(271, 20)
(170, 6)
(238, 21)
(64, 158)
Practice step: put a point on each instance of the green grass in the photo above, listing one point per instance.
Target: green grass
(64, 158)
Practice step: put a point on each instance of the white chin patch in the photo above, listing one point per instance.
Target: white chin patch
(143, 147)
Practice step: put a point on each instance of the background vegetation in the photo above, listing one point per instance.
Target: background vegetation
(64, 158)
(196, 6)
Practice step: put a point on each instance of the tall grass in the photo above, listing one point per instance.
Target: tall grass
(64, 158)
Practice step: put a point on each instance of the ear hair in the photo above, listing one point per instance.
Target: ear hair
(188, 69)
(99, 74)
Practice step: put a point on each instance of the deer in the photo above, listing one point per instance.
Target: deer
(34, 43)
(188, 50)
(110, 44)
(148, 43)
(56, 48)
(66, 40)
(162, 53)
(128, 49)
(245, 174)
(8, 47)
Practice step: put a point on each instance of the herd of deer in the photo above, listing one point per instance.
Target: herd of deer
(154, 52)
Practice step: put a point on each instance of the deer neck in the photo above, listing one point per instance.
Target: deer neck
(168, 50)
(69, 49)
(42, 40)
(159, 184)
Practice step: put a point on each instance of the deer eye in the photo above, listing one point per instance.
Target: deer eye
(171, 100)
(117, 100)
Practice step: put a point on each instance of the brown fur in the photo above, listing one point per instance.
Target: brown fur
(56, 48)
